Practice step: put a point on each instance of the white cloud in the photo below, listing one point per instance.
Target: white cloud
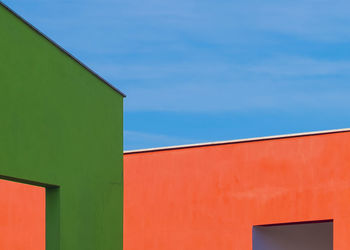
(134, 139)
(143, 35)
(235, 97)
(301, 66)
(129, 26)
(280, 83)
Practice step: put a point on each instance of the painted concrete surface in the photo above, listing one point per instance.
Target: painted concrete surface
(309, 236)
(22, 216)
(211, 197)
(61, 127)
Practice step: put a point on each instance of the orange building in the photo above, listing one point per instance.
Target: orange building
(274, 193)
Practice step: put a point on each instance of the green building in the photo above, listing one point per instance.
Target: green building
(61, 127)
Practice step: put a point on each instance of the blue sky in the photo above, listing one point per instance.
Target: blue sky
(197, 71)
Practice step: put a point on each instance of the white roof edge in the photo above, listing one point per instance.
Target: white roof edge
(238, 140)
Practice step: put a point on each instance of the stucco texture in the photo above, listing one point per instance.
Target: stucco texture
(210, 197)
(61, 127)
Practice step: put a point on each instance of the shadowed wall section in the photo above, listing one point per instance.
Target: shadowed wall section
(301, 236)
(22, 216)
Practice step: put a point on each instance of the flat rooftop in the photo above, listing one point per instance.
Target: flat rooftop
(323, 132)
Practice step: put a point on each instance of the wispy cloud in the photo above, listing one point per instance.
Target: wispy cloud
(207, 56)
(281, 83)
(301, 67)
(132, 26)
(235, 97)
(320, 20)
(133, 139)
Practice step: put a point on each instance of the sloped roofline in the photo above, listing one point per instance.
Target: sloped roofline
(238, 141)
(62, 49)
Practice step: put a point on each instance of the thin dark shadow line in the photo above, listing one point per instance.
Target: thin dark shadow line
(294, 223)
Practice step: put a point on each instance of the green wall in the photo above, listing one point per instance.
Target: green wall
(61, 127)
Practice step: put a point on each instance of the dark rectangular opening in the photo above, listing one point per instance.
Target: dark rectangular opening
(313, 235)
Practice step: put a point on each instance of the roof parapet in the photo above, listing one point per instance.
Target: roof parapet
(323, 132)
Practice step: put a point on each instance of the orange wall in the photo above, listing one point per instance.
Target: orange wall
(210, 197)
(22, 216)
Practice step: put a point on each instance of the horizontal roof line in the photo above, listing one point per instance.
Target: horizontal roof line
(62, 49)
(238, 141)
